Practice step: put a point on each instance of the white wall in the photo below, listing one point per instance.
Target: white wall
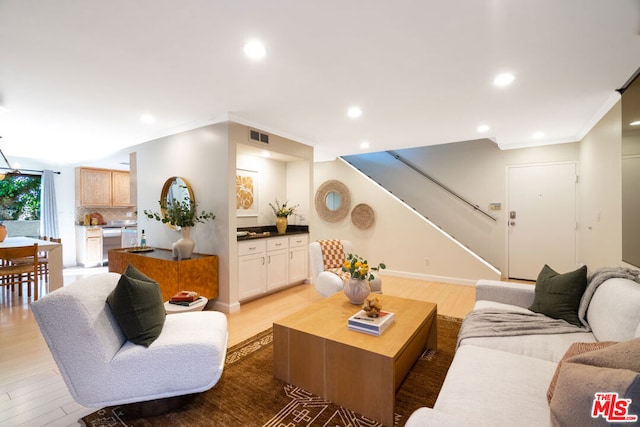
(300, 190)
(600, 193)
(399, 238)
(284, 181)
(201, 156)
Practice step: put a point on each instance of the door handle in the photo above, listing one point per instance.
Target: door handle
(512, 223)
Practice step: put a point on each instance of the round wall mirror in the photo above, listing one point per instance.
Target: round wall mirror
(175, 190)
(332, 201)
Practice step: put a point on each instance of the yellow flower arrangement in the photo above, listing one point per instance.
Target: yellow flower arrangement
(359, 268)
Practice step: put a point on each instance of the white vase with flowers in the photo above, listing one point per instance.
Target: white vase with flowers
(357, 287)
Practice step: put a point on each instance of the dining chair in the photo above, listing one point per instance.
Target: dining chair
(43, 260)
(19, 273)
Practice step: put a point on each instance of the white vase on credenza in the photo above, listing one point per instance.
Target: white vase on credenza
(183, 247)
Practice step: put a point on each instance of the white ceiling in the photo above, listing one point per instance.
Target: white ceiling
(76, 75)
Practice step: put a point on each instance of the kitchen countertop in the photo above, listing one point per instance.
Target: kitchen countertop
(273, 232)
(109, 225)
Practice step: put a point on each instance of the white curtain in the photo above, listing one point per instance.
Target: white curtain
(48, 211)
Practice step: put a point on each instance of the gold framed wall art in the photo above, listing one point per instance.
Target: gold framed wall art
(246, 192)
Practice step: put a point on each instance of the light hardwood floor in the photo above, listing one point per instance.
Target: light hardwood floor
(32, 392)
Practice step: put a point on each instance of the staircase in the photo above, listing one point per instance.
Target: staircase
(443, 206)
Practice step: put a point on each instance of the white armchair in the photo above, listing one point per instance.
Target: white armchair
(102, 368)
(326, 266)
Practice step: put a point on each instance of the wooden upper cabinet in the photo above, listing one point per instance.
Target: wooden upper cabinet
(95, 187)
(121, 188)
(103, 187)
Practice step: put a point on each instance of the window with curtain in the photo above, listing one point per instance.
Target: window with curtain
(20, 198)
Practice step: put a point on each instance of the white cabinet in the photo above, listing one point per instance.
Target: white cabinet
(277, 263)
(252, 268)
(298, 258)
(266, 265)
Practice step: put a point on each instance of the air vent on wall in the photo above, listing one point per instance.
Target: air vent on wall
(254, 135)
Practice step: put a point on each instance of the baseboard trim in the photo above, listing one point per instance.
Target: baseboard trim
(432, 278)
(226, 308)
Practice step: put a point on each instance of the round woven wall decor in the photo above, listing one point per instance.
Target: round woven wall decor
(362, 216)
(321, 201)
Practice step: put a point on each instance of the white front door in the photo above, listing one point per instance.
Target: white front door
(541, 219)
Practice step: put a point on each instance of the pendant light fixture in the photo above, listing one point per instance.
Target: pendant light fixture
(3, 174)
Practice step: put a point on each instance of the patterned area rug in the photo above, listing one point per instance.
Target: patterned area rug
(248, 394)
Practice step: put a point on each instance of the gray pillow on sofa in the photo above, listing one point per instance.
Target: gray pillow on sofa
(136, 303)
(558, 295)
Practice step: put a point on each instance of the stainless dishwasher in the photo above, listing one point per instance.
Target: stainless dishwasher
(111, 239)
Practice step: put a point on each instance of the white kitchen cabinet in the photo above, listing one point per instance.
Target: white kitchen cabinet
(268, 264)
(298, 255)
(277, 263)
(252, 268)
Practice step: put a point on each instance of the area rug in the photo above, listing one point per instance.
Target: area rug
(248, 394)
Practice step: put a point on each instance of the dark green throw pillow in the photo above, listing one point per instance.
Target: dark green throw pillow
(136, 303)
(558, 295)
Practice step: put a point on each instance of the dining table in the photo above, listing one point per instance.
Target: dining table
(54, 255)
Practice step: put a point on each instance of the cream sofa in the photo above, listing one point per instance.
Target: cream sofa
(503, 380)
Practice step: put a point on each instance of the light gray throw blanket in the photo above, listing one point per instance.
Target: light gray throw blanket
(495, 322)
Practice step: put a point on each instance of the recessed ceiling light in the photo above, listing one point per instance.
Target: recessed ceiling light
(255, 49)
(147, 119)
(504, 79)
(636, 123)
(483, 128)
(365, 145)
(354, 112)
(537, 135)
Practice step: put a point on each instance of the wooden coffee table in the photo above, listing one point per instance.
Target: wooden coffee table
(314, 350)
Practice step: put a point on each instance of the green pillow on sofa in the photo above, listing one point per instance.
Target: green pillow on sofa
(558, 295)
(137, 305)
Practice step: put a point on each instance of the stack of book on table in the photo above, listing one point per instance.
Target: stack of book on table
(185, 298)
(371, 325)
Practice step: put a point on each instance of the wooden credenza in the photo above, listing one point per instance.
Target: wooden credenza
(199, 274)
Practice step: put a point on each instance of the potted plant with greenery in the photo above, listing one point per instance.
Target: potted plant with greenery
(182, 215)
(282, 213)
